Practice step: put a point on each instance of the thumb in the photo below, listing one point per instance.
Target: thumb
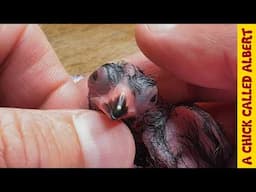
(58, 138)
(203, 55)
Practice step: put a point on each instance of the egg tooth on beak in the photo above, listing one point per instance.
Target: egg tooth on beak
(118, 103)
(117, 107)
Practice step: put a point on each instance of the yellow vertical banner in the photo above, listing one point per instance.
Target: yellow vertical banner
(246, 96)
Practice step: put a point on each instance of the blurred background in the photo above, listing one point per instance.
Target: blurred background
(83, 47)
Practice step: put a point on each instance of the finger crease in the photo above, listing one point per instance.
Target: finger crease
(18, 126)
(55, 143)
(34, 135)
(3, 149)
(4, 65)
(58, 87)
(45, 147)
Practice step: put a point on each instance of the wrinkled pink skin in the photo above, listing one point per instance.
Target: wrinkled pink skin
(137, 104)
(165, 135)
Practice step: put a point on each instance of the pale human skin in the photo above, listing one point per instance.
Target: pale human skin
(32, 79)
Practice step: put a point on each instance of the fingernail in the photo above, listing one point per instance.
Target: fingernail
(77, 78)
(160, 28)
(104, 143)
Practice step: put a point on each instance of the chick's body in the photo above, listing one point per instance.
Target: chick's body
(165, 135)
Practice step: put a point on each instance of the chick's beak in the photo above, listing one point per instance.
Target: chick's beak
(118, 103)
(118, 108)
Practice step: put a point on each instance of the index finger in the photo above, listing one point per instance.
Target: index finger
(203, 55)
(31, 75)
(174, 89)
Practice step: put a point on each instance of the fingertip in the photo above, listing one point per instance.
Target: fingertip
(104, 143)
(82, 86)
(155, 45)
(206, 50)
(142, 35)
(63, 138)
(65, 96)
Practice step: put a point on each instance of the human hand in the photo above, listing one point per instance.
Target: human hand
(50, 138)
(193, 63)
(32, 80)
(176, 52)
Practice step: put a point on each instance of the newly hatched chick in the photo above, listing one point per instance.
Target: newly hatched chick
(165, 135)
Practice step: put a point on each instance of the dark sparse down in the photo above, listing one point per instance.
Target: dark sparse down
(166, 135)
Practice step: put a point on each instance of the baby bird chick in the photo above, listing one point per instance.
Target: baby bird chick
(166, 135)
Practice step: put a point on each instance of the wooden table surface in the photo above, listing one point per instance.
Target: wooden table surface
(83, 47)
